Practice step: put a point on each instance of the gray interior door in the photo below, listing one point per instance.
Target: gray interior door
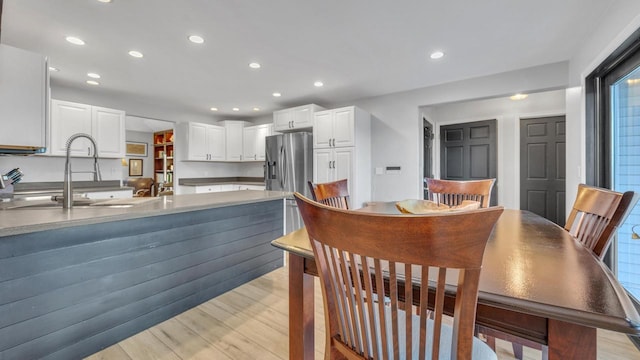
(542, 167)
(468, 151)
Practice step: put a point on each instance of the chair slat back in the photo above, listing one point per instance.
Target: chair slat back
(365, 257)
(596, 214)
(334, 194)
(451, 192)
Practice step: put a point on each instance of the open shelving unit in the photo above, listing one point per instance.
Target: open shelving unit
(163, 160)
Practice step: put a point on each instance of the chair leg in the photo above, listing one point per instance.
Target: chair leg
(491, 341)
(517, 350)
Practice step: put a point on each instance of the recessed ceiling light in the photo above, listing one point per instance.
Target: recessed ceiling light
(276, 94)
(93, 75)
(318, 84)
(254, 65)
(256, 109)
(235, 109)
(51, 68)
(518, 97)
(436, 55)
(104, 1)
(92, 82)
(135, 54)
(214, 109)
(74, 40)
(196, 39)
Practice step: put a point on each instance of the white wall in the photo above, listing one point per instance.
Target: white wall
(615, 26)
(147, 161)
(397, 121)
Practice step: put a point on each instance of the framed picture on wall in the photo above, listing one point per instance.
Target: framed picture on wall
(135, 167)
(136, 148)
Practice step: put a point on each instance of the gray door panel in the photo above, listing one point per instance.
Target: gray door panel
(468, 151)
(542, 167)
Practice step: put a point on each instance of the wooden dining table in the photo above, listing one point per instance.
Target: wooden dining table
(537, 282)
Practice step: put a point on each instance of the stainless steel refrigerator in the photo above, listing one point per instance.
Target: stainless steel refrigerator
(288, 167)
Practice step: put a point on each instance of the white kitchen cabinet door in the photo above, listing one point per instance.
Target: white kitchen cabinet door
(322, 165)
(201, 189)
(68, 118)
(303, 117)
(333, 164)
(234, 138)
(216, 143)
(249, 144)
(294, 119)
(322, 129)
(109, 132)
(343, 166)
(334, 128)
(343, 127)
(24, 88)
(282, 120)
(254, 142)
(206, 142)
(110, 194)
(197, 142)
(261, 136)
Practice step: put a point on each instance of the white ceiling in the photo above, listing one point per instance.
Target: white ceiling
(358, 48)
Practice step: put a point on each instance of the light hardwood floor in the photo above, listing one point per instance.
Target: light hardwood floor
(251, 322)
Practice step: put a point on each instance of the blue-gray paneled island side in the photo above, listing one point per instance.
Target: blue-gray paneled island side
(74, 282)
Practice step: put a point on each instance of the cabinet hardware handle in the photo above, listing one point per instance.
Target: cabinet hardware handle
(88, 151)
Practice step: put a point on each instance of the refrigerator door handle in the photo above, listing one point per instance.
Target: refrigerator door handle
(281, 167)
(284, 166)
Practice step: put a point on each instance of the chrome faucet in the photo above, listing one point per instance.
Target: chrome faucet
(67, 190)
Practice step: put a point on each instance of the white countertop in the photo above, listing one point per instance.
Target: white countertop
(21, 221)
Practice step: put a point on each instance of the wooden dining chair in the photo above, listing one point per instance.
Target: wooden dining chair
(594, 218)
(361, 255)
(334, 193)
(452, 192)
(596, 215)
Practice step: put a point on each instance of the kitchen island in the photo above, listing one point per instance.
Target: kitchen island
(75, 281)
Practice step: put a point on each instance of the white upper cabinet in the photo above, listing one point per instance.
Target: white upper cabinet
(234, 132)
(294, 119)
(69, 118)
(342, 150)
(205, 142)
(109, 131)
(197, 140)
(254, 141)
(105, 125)
(24, 91)
(335, 128)
(216, 143)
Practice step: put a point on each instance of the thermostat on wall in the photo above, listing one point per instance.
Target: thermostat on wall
(393, 170)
